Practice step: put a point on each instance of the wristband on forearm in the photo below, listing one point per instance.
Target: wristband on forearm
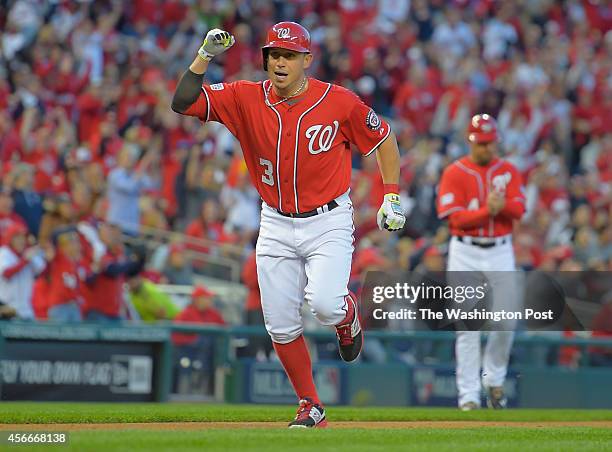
(391, 188)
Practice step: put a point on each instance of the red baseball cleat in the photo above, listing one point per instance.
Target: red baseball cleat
(350, 336)
(309, 415)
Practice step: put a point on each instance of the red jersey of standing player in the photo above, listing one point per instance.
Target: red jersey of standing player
(301, 159)
(465, 187)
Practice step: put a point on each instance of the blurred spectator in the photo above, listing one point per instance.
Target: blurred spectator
(199, 183)
(125, 185)
(178, 268)
(66, 278)
(207, 226)
(19, 265)
(197, 350)
(24, 19)
(28, 203)
(150, 302)
(242, 204)
(105, 297)
(59, 212)
(432, 261)
(253, 313)
(200, 310)
(152, 211)
(586, 247)
(452, 36)
(8, 218)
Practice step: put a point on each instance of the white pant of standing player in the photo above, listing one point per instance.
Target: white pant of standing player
(304, 259)
(469, 357)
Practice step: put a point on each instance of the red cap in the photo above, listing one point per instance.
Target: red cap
(286, 35)
(13, 230)
(201, 291)
(482, 129)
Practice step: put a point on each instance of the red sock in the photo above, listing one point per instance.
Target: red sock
(297, 364)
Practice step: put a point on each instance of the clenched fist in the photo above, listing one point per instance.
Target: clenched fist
(390, 215)
(216, 42)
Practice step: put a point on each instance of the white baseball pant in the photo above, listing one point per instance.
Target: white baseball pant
(304, 259)
(498, 265)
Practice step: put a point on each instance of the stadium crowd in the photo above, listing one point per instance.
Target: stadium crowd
(91, 153)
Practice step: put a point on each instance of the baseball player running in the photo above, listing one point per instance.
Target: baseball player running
(481, 195)
(296, 134)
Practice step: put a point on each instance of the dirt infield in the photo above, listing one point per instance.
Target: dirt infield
(177, 426)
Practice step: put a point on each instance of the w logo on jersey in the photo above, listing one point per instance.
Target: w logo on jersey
(320, 136)
(501, 181)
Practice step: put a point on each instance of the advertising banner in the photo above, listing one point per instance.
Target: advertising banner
(80, 371)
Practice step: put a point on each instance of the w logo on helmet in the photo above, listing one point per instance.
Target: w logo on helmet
(283, 33)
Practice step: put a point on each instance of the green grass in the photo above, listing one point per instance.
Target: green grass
(353, 440)
(52, 412)
(275, 438)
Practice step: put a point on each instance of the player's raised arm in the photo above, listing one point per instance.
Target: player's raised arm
(390, 215)
(189, 86)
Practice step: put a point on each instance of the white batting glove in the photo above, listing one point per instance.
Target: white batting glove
(390, 215)
(216, 42)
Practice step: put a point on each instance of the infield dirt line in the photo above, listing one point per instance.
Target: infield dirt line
(176, 426)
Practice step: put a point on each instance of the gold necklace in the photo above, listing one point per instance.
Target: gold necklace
(267, 93)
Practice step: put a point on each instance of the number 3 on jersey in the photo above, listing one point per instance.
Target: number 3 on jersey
(268, 176)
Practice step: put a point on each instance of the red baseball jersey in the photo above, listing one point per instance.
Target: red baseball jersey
(298, 152)
(66, 281)
(105, 293)
(465, 185)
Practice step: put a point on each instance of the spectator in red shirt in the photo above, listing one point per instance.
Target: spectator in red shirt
(207, 226)
(66, 278)
(200, 310)
(417, 98)
(193, 347)
(91, 112)
(105, 298)
(10, 142)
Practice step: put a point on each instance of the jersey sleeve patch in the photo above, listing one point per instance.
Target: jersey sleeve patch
(217, 86)
(373, 121)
